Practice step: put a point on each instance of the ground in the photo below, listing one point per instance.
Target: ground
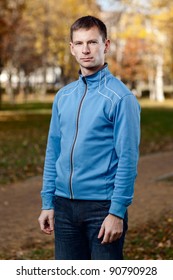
(20, 203)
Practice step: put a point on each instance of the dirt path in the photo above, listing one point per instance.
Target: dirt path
(153, 189)
(20, 203)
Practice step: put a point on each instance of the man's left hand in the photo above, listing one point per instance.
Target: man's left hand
(111, 229)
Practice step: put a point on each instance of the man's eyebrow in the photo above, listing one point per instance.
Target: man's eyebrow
(77, 41)
(93, 40)
(80, 41)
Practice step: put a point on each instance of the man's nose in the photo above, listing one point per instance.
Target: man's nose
(85, 48)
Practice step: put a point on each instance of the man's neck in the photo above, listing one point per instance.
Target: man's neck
(90, 71)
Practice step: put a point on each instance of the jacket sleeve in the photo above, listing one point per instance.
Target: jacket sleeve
(52, 154)
(126, 142)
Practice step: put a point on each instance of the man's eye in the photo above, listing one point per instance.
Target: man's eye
(78, 43)
(93, 42)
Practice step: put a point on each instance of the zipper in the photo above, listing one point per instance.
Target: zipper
(74, 142)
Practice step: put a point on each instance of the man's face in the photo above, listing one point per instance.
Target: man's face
(89, 49)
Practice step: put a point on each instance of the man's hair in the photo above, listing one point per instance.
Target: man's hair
(88, 22)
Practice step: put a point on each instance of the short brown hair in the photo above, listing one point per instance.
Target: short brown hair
(88, 22)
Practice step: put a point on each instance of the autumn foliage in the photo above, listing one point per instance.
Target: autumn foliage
(35, 35)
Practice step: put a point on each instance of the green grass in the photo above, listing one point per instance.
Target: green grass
(23, 137)
(156, 130)
(26, 106)
(22, 146)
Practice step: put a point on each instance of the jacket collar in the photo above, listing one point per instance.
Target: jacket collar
(96, 77)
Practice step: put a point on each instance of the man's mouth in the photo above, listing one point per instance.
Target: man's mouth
(86, 58)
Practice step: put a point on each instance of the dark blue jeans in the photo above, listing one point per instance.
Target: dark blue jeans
(77, 224)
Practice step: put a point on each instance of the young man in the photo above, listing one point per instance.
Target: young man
(92, 154)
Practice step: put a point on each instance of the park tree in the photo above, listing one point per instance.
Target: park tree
(26, 59)
(50, 22)
(11, 17)
(3, 32)
(140, 42)
(164, 21)
(128, 34)
(160, 39)
(35, 34)
(132, 45)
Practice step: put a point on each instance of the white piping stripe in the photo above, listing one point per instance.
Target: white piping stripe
(102, 93)
(67, 94)
(111, 89)
(107, 96)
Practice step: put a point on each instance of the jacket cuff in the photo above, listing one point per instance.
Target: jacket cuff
(117, 209)
(47, 202)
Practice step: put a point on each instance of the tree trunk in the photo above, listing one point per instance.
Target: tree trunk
(0, 92)
(44, 84)
(9, 90)
(152, 92)
(159, 80)
(9, 87)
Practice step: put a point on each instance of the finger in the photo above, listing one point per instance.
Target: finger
(47, 227)
(115, 236)
(112, 238)
(106, 238)
(44, 226)
(41, 222)
(51, 224)
(47, 231)
(101, 232)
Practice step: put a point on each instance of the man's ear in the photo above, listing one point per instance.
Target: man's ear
(107, 46)
(71, 48)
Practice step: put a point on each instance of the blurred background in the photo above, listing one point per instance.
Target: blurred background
(35, 62)
(34, 45)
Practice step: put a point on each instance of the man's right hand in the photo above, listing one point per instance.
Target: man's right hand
(46, 221)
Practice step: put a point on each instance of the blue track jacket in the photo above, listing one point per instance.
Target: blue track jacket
(93, 143)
